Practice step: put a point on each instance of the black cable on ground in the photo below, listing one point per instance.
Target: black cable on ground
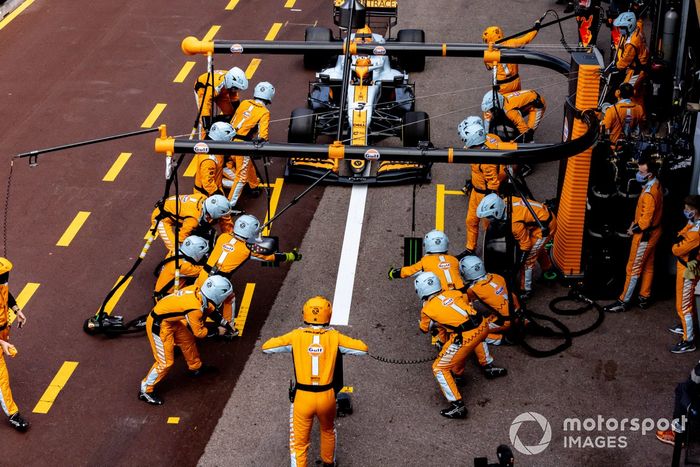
(397, 361)
(7, 209)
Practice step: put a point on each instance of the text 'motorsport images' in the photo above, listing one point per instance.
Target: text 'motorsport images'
(214, 275)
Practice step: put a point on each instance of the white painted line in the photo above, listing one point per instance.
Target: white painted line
(348, 256)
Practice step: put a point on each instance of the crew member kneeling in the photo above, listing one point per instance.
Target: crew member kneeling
(466, 329)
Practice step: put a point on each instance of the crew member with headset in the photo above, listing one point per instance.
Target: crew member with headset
(209, 173)
(632, 56)
(623, 118)
(226, 86)
(316, 350)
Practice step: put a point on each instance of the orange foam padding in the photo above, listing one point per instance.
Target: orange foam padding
(165, 145)
(492, 56)
(336, 150)
(193, 46)
(568, 240)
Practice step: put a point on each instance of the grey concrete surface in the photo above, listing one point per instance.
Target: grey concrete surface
(622, 370)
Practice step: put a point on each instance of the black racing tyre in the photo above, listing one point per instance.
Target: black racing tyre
(317, 61)
(411, 62)
(302, 126)
(416, 128)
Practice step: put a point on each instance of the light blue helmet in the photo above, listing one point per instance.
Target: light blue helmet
(235, 79)
(627, 22)
(491, 207)
(216, 206)
(216, 289)
(222, 131)
(246, 227)
(427, 284)
(436, 241)
(471, 268)
(473, 133)
(487, 102)
(264, 90)
(195, 247)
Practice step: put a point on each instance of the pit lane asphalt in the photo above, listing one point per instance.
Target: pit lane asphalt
(622, 370)
(80, 70)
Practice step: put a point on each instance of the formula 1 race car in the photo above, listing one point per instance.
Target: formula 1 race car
(380, 103)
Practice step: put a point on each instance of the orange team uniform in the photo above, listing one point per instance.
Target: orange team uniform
(7, 301)
(251, 118)
(228, 255)
(444, 266)
(315, 350)
(507, 76)
(227, 101)
(530, 237)
(486, 178)
(466, 330)
(189, 217)
(175, 320)
(646, 233)
(633, 58)
(208, 179)
(166, 278)
(686, 249)
(623, 118)
(493, 292)
(521, 104)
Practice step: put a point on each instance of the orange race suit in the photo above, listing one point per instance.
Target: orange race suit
(686, 249)
(7, 301)
(486, 178)
(166, 278)
(315, 350)
(252, 119)
(445, 266)
(623, 119)
(226, 100)
(522, 111)
(208, 179)
(228, 255)
(175, 320)
(466, 329)
(507, 76)
(491, 291)
(189, 217)
(632, 58)
(646, 231)
(531, 239)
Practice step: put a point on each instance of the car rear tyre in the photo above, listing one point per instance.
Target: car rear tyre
(302, 126)
(412, 62)
(416, 128)
(316, 61)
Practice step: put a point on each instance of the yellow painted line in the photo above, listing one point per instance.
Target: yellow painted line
(272, 33)
(173, 420)
(440, 207)
(109, 308)
(73, 228)
(454, 192)
(274, 201)
(15, 13)
(212, 32)
(191, 169)
(245, 307)
(184, 71)
(290, 3)
(348, 389)
(231, 5)
(153, 116)
(252, 68)
(59, 382)
(23, 298)
(117, 167)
